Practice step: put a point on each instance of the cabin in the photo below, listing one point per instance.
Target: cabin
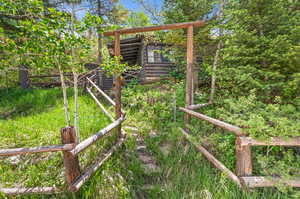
(151, 56)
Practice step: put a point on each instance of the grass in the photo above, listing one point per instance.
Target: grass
(38, 116)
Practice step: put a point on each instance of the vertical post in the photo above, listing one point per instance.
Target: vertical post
(23, 77)
(243, 159)
(118, 83)
(189, 75)
(71, 162)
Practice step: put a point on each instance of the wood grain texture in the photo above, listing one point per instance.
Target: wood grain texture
(243, 159)
(260, 181)
(92, 139)
(156, 28)
(274, 141)
(118, 84)
(189, 75)
(34, 190)
(238, 131)
(40, 149)
(71, 162)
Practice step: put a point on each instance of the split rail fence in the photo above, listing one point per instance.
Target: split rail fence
(243, 176)
(75, 178)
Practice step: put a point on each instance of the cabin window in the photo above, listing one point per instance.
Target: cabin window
(156, 55)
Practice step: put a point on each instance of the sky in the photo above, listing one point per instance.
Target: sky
(133, 5)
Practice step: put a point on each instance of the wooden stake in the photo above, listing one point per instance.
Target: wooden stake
(71, 163)
(118, 85)
(243, 159)
(189, 75)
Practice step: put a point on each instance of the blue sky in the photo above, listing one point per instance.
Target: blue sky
(133, 5)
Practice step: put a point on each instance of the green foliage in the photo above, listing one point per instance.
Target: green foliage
(115, 66)
(138, 19)
(261, 120)
(262, 49)
(40, 40)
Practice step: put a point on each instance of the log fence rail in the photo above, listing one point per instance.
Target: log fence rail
(75, 178)
(243, 144)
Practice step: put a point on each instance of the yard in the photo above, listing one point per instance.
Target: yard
(182, 172)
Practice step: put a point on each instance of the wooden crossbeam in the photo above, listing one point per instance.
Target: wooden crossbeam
(100, 105)
(274, 141)
(40, 149)
(92, 139)
(238, 131)
(156, 28)
(260, 181)
(34, 190)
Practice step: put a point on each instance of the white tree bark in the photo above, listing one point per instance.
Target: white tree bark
(64, 89)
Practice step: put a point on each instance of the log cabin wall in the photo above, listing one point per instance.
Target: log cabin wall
(155, 69)
(135, 52)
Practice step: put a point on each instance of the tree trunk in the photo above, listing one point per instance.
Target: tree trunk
(64, 89)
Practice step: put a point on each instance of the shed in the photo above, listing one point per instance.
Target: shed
(151, 56)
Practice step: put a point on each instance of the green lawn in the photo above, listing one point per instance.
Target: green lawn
(38, 116)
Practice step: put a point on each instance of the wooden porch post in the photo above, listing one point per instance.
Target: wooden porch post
(118, 83)
(189, 75)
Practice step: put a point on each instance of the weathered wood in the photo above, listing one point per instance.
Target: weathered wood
(100, 105)
(189, 75)
(34, 190)
(260, 181)
(24, 77)
(40, 149)
(196, 106)
(92, 139)
(274, 141)
(212, 159)
(71, 162)
(243, 159)
(118, 84)
(43, 76)
(155, 28)
(89, 172)
(238, 131)
(102, 92)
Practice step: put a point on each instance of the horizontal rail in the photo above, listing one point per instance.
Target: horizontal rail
(274, 141)
(238, 131)
(89, 172)
(35, 190)
(100, 105)
(92, 139)
(212, 159)
(196, 106)
(40, 149)
(102, 92)
(155, 28)
(260, 181)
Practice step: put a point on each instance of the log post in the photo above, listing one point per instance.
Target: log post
(243, 158)
(189, 75)
(118, 84)
(71, 162)
(24, 77)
